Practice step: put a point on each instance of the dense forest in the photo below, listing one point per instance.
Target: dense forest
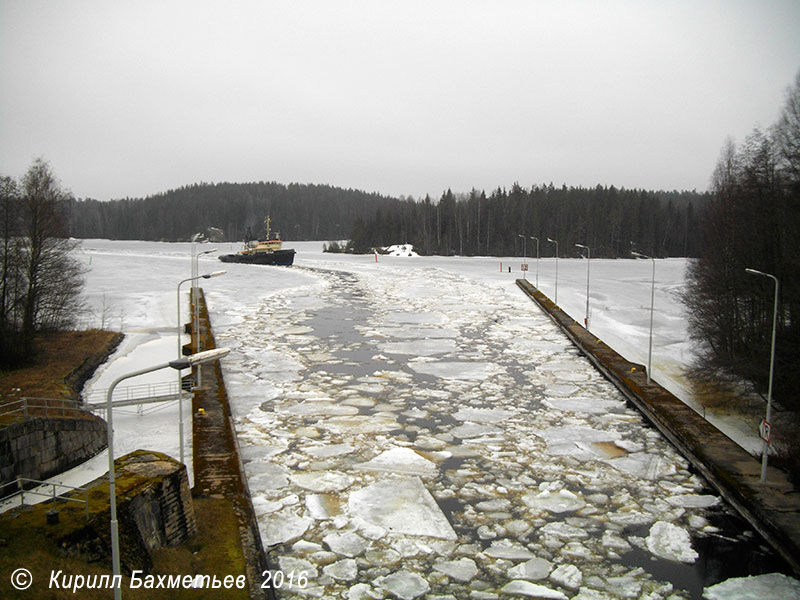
(606, 219)
(299, 212)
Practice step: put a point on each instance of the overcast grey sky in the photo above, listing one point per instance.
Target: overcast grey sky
(407, 97)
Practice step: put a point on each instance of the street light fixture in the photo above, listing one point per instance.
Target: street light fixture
(196, 313)
(765, 439)
(652, 299)
(588, 263)
(524, 252)
(181, 363)
(556, 243)
(194, 273)
(537, 260)
(180, 388)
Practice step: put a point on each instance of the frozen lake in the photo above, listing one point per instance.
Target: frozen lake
(417, 425)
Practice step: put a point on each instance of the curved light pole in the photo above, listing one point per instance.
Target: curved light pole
(537, 260)
(180, 389)
(524, 252)
(181, 363)
(652, 299)
(765, 447)
(556, 243)
(588, 263)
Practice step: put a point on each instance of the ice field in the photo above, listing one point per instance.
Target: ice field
(416, 427)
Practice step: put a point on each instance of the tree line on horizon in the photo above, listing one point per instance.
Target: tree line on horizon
(298, 212)
(606, 219)
(610, 221)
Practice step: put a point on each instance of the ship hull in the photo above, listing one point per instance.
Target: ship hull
(282, 258)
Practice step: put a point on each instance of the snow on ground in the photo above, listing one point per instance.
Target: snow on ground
(414, 426)
(400, 250)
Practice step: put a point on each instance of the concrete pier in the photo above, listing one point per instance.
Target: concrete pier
(218, 469)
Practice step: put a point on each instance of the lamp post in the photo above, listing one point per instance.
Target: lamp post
(524, 252)
(196, 313)
(556, 243)
(588, 263)
(180, 389)
(537, 260)
(181, 363)
(765, 447)
(652, 299)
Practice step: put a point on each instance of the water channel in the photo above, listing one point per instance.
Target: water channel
(425, 435)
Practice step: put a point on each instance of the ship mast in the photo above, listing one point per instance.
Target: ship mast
(266, 224)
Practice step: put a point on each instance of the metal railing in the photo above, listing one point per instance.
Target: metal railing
(43, 407)
(131, 393)
(21, 491)
(94, 401)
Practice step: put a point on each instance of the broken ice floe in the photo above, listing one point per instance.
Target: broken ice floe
(568, 576)
(430, 347)
(463, 371)
(508, 549)
(322, 481)
(483, 415)
(359, 424)
(463, 569)
(473, 430)
(403, 584)
(591, 406)
(282, 526)
(759, 587)
(533, 569)
(693, 501)
(559, 501)
(347, 544)
(323, 506)
(329, 450)
(670, 542)
(532, 590)
(400, 460)
(401, 506)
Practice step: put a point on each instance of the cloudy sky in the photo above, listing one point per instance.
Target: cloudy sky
(399, 97)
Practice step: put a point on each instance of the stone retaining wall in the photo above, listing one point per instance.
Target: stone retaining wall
(41, 447)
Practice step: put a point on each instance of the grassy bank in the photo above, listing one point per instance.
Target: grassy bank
(61, 367)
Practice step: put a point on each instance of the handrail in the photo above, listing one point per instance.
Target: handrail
(48, 407)
(133, 392)
(55, 497)
(59, 407)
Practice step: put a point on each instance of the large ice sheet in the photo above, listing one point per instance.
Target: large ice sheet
(464, 371)
(400, 460)
(401, 506)
(759, 587)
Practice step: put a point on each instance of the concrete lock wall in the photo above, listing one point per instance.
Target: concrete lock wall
(41, 447)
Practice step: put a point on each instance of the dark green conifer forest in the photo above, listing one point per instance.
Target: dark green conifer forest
(605, 218)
